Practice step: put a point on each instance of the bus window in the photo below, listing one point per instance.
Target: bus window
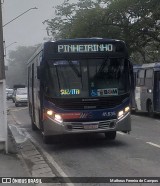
(148, 78)
(141, 75)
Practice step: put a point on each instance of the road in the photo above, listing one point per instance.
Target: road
(133, 155)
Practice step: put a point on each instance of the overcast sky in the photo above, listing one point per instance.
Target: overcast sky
(28, 29)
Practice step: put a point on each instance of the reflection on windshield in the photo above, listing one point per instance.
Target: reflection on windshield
(21, 91)
(87, 78)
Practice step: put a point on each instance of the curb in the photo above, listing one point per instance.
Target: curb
(34, 162)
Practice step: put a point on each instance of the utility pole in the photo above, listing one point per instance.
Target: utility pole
(3, 111)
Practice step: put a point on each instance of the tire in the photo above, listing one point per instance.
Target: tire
(133, 111)
(34, 127)
(16, 104)
(110, 135)
(150, 109)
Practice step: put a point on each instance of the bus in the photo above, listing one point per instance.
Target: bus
(80, 85)
(147, 91)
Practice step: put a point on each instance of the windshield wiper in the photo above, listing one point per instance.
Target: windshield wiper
(103, 65)
(74, 69)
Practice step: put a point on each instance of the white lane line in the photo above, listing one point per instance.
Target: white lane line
(17, 109)
(50, 158)
(153, 144)
(157, 120)
(121, 133)
(15, 119)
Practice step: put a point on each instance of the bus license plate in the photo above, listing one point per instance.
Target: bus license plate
(90, 127)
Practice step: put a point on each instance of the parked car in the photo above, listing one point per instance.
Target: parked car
(21, 97)
(14, 95)
(9, 93)
(15, 87)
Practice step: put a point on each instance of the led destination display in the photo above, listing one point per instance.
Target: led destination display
(84, 48)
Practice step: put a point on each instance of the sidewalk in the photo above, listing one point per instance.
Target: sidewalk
(23, 159)
(12, 164)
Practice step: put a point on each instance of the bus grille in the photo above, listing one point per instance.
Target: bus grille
(101, 125)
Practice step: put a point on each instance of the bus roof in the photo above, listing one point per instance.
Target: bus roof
(151, 65)
(93, 39)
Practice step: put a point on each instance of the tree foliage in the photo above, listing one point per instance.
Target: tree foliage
(137, 22)
(17, 65)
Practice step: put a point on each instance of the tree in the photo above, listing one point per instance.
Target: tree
(17, 65)
(134, 21)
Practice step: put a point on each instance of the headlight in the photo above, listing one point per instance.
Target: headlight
(53, 115)
(50, 112)
(123, 112)
(58, 118)
(127, 109)
(120, 114)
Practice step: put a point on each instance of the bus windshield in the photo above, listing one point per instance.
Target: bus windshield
(87, 78)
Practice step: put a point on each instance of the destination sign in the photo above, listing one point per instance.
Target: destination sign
(85, 48)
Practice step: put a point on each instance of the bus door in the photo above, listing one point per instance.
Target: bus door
(36, 95)
(33, 102)
(156, 95)
(139, 89)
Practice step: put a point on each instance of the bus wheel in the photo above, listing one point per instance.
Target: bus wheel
(34, 127)
(111, 135)
(150, 109)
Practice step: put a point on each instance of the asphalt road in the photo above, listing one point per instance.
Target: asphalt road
(133, 155)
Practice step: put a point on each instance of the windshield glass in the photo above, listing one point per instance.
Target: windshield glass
(87, 78)
(21, 91)
(10, 91)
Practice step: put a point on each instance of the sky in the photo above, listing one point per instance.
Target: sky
(28, 29)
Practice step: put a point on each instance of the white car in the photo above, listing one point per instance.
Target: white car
(21, 97)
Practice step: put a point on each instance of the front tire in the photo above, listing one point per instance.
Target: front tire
(34, 127)
(111, 135)
(150, 109)
(16, 104)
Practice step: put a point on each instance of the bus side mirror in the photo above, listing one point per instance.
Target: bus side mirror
(38, 72)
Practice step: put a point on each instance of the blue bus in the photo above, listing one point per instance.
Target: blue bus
(80, 86)
(147, 90)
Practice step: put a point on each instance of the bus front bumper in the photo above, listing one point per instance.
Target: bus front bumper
(53, 128)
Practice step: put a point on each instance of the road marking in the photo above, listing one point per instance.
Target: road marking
(150, 143)
(134, 116)
(157, 120)
(49, 158)
(153, 144)
(15, 119)
(16, 109)
(121, 133)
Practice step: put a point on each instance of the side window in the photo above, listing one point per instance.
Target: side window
(149, 73)
(148, 79)
(140, 79)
